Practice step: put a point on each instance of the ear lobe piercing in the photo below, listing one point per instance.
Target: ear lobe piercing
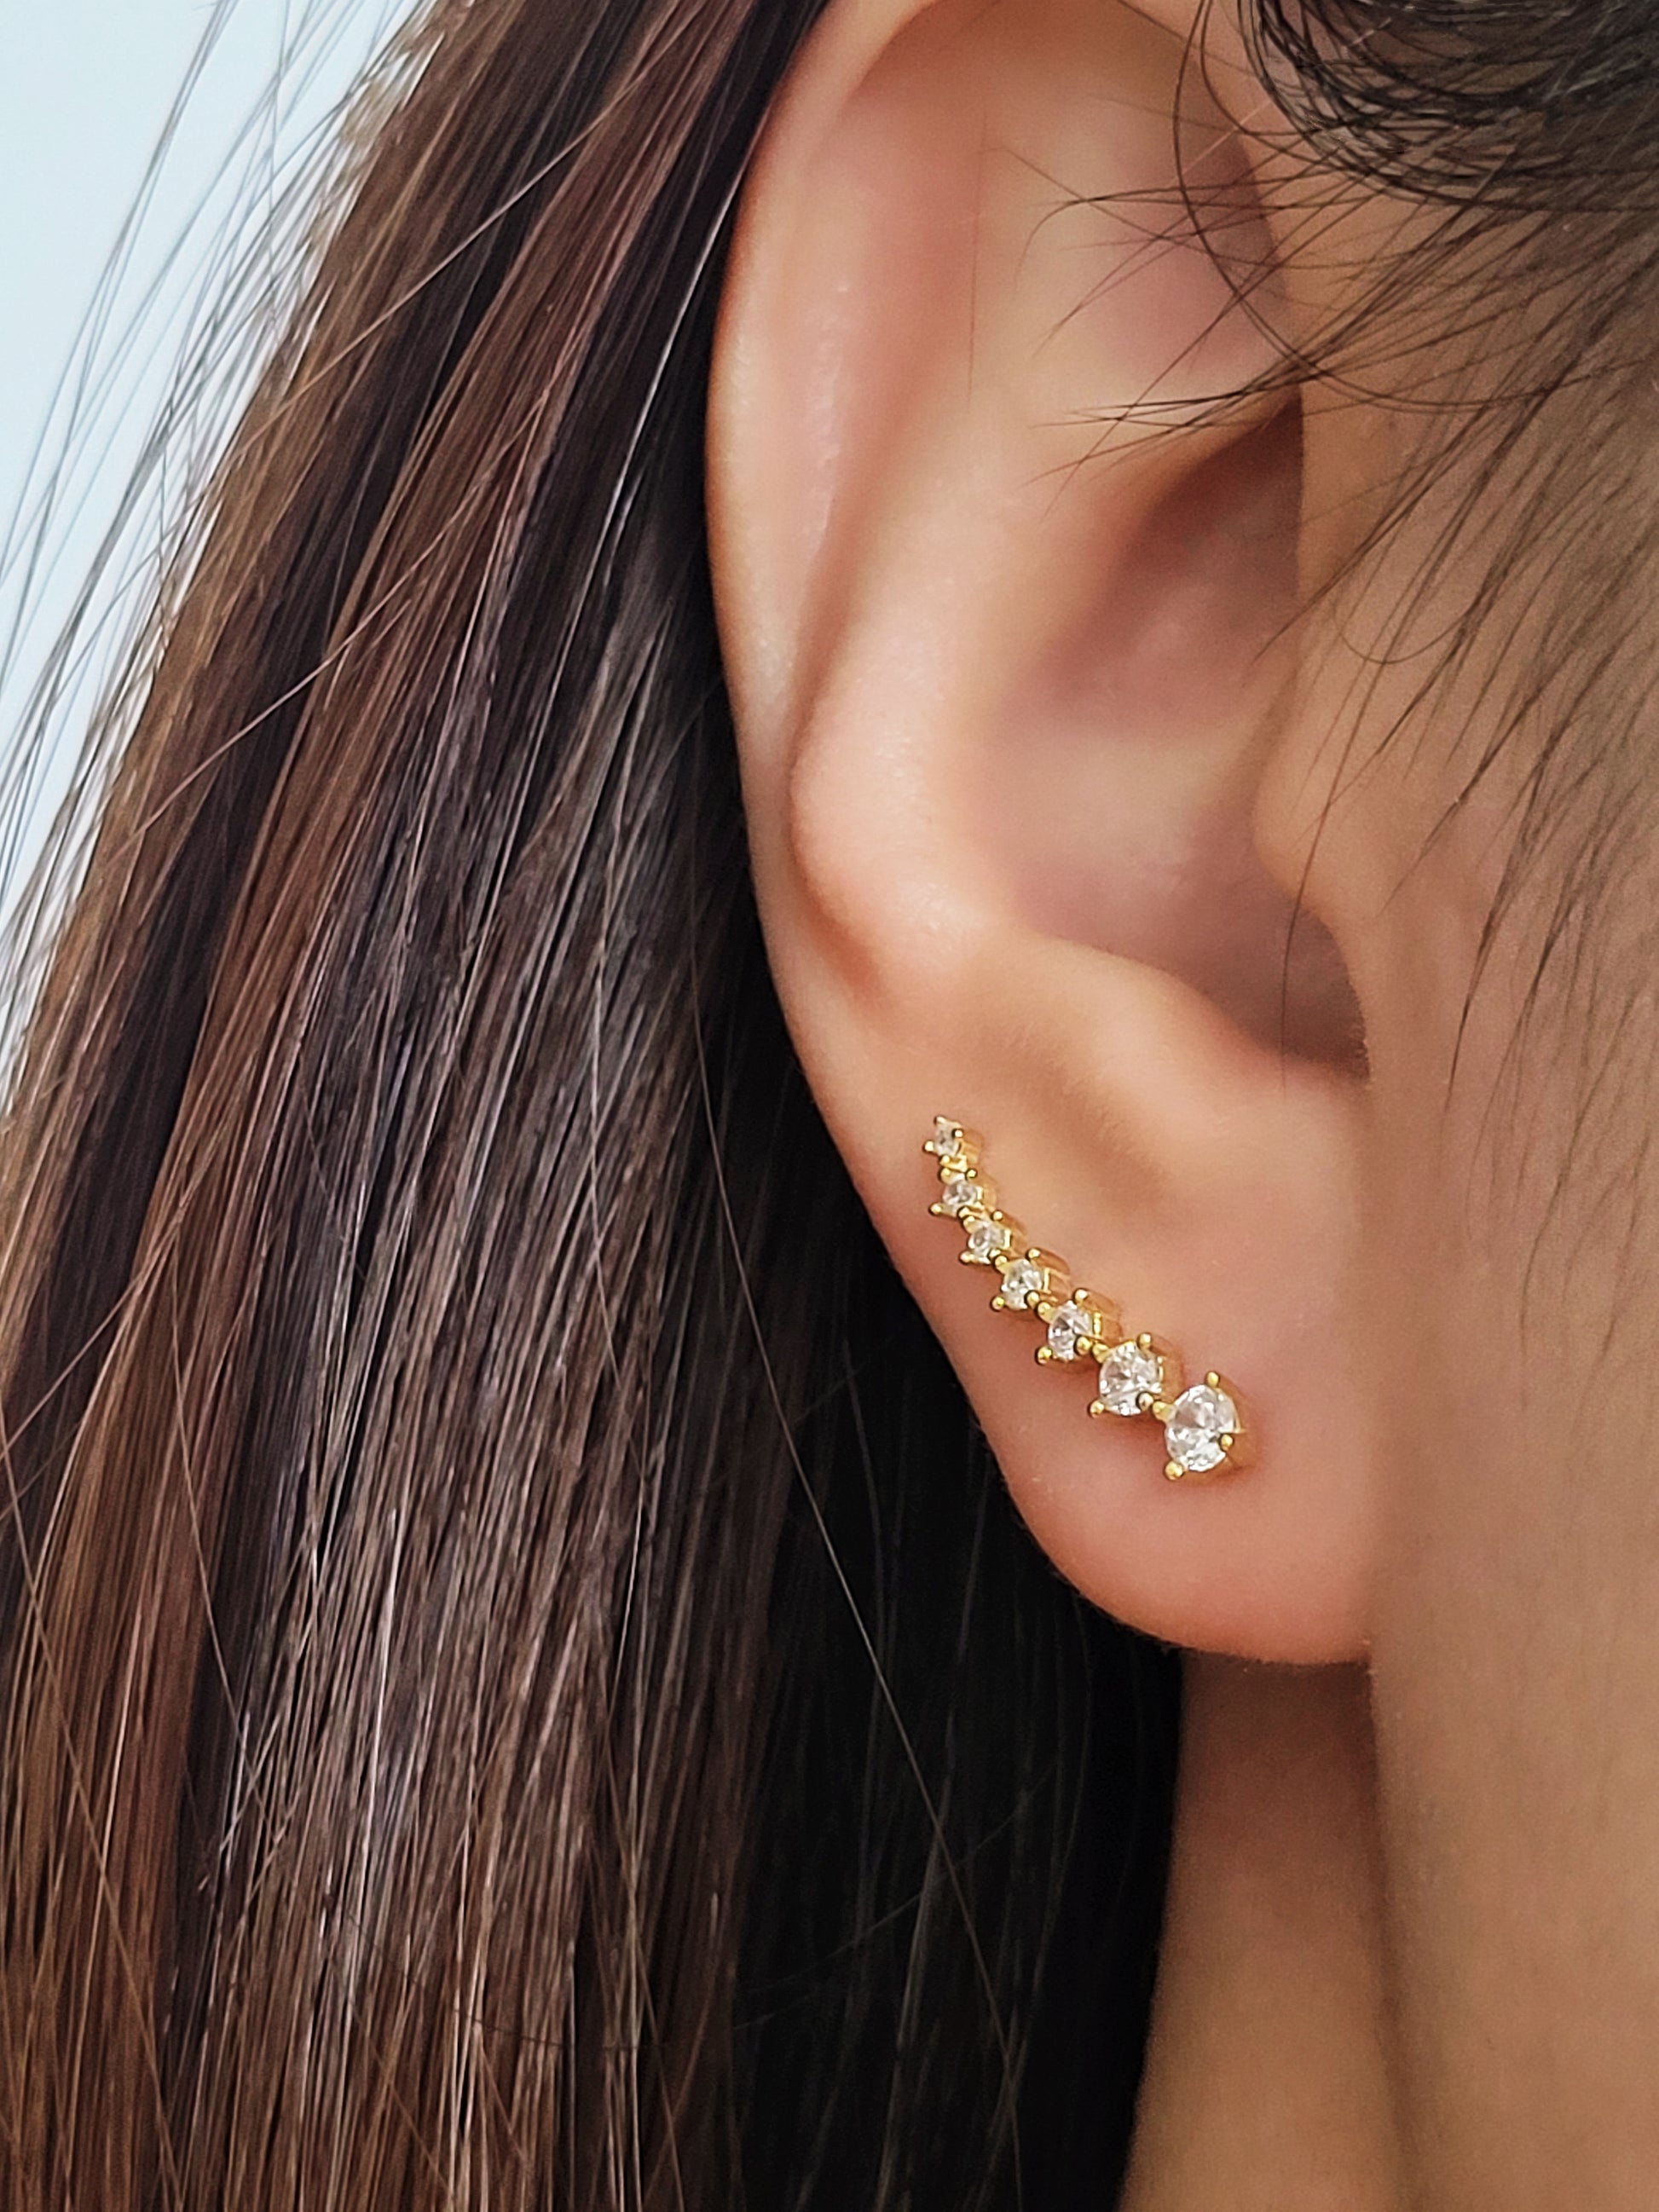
(1136, 1376)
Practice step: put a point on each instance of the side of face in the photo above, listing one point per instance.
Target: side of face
(1190, 681)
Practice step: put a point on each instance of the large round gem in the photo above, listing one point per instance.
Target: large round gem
(1198, 1420)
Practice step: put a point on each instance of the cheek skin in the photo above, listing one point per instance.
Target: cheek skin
(1507, 1300)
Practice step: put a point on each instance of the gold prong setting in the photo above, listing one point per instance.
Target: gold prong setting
(1079, 1327)
(1136, 1376)
(992, 1238)
(1031, 1280)
(1206, 1432)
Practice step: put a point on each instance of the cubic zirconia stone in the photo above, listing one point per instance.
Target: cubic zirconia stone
(962, 1195)
(1023, 1284)
(947, 1137)
(986, 1239)
(1069, 1328)
(1198, 1420)
(1128, 1373)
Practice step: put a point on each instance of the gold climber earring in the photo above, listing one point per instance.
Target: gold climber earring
(1207, 1433)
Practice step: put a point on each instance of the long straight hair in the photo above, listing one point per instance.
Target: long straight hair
(519, 1683)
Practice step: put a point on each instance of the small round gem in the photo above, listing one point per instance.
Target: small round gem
(1198, 1420)
(1128, 1374)
(1024, 1282)
(1072, 1327)
(964, 1194)
(987, 1240)
(947, 1137)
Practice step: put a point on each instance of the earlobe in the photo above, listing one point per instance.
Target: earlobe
(1007, 590)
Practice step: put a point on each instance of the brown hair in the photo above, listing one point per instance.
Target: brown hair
(519, 1683)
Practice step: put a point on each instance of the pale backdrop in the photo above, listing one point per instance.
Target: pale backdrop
(242, 91)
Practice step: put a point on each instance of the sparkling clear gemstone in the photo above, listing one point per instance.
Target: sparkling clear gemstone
(1128, 1373)
(986, 1239)
(1071, 1325)
(947, 1136)
(1023, 1284)
(1198, 1419)
(961, 1194)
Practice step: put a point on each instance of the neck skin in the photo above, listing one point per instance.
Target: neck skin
(1267, 2085)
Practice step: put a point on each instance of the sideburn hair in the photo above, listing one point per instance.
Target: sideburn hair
(520, 1686)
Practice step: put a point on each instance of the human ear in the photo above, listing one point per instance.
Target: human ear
(1008, 601)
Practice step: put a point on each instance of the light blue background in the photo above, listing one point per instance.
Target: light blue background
(83, 97)
(243, 92)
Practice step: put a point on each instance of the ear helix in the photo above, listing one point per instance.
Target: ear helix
(1207, 1433)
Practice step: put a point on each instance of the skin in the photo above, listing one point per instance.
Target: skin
(1095, 796)
(1269, 2069)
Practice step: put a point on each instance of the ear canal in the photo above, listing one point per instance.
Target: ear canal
(1115, 787)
